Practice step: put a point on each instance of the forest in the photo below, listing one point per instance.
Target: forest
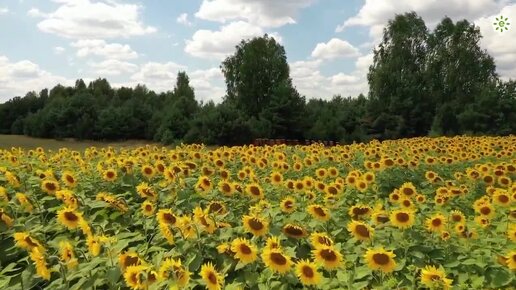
(422, 82)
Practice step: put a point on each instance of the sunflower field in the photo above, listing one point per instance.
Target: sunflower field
(420, 213)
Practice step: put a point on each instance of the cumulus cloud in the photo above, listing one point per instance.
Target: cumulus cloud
(265, 13)
(113, 67)
(500, 45)
(16, 78)
(98, 47)
(208, 84)
(335, 48)
(219, 44)
(183, 19)
(59, 50)
(81, 19)
(311, 82)
(4, 10)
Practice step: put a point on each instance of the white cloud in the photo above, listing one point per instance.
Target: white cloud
(80, 19)
(208, 84)
(157, 76)
(500, 45)
(4, 10)
(59, 50)
(98, 47)
(35, 12)
(113, 67)
(265, 13)
(183, 19)
(335, 48)
(375, 14)
(17, 78)
(309, 81)
(221, 43)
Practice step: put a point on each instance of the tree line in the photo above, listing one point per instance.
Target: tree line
(421, 83)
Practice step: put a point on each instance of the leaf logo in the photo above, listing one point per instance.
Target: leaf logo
(501, 24)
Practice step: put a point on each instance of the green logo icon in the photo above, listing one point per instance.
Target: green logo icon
(501, 23)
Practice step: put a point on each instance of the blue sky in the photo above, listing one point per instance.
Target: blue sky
(329, 43)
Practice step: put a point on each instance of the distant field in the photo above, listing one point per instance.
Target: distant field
(8, 141)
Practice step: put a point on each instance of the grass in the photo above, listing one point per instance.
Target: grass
(8, 141)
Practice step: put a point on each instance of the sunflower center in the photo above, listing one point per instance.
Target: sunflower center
(255, 191)
(110, 174)
(215, 207)
(212, 278)
(435, 277)
(408, 191)
(169, 218)
(255, 224)
(29, 241)
(289, 204)
(381, 259)
(319, 211)
(406, 203)
(332, 190)
(226, 188)
(130, 261)
(71, 216)
(245, 249)
(50, 186)
(324, 241)
(278, 259)
(148, 170)
(308, 272)
(485, 210)
(382, 219)
(503, 198)
(148, 207)
(70, 179)
(436, 222)
(362, 231)
(456, 218)
(294, 231)
(328, 255)
(402, 217)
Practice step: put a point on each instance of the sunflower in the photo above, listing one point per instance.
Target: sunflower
(360, 230)
(93, 245)
(69, 179)
(430, 176)
(402, 218)
(445, 235)
(148, 171)
(380, 259)
(109, 175)
(216, 207)
(67, 255)
(165, 216)
(202, 218)
(408, 189)
(501, 197)
(380, 217)
(307, 272)
(394, 197)
(147, 208)
(255, 225)
(288, 205)
(146, 191)
(361, 185)
(244, 250)
(254, 190)
(25, 241)
(41, 266)
(328, 256)
(171, 268)
(294, 231)
(276, 178)
(210, 276)
(49, 186)
(360, 211)
(273, 242)
(435, 278)
(134, 277)
(511, 232)
(69, 217)
(320, 239)
(457, 216)
(511, 260)
(8, 221)
(226, 187)
(369, 177)
(128, 259)
(436, 223)
(485, 209)
(276, 260)
(319, 212)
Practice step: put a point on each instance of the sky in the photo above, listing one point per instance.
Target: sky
(329, 43)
